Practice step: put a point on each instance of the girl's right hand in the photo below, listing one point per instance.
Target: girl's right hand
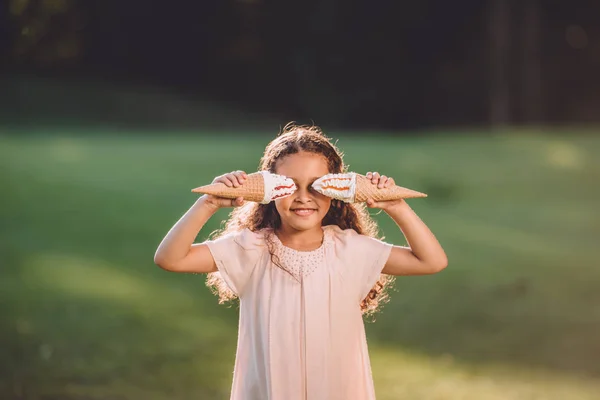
(232, 179)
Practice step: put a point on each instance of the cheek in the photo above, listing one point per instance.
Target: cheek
(324, 202)
(283, 204)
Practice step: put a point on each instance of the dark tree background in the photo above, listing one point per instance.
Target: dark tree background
(386, 64)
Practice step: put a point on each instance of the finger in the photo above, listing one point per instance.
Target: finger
(369, 175)
(375, 177)
(226, 202)
(390, 182)
(224, 180)
(239, 177)
(237, 202)
(382, 181)
(370, 203)
(233, 179)
(227, 181)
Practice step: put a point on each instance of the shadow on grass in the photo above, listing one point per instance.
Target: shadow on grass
(82, 328)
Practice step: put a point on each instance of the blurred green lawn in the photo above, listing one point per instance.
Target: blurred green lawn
(87, 315)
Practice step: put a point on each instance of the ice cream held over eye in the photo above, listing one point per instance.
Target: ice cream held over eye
(277, 187)
(355, 188)
(261, 187)
(337, 186)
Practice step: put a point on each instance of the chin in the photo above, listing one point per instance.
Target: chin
(306, 224)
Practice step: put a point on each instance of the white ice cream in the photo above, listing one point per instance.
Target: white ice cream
(277, 186)
(330, 185)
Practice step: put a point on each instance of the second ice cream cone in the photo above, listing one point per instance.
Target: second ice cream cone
(365, 190)
(355, 188)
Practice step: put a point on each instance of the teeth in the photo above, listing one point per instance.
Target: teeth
(303, 211)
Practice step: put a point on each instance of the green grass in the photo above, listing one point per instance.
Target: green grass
(87, 315)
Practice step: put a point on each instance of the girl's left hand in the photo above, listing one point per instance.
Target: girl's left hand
(382, 181)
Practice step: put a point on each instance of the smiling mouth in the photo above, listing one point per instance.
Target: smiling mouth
(303, 211)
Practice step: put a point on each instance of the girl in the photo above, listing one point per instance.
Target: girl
(305, 268)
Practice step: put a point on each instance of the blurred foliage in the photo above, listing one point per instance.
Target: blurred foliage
(49, 32)
(352, 64)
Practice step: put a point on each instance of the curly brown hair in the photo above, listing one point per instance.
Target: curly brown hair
(254, 216)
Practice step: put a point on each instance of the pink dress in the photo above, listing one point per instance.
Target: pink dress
(301, 333)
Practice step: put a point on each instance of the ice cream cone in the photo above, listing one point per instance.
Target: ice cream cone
(261, 187)
(355, 188)
(365, 190)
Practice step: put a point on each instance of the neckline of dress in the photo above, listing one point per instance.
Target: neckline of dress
(304, 252)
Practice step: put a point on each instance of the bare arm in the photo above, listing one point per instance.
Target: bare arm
(177, 251)
(424, 255)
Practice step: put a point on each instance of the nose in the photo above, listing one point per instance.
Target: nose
(303, 194)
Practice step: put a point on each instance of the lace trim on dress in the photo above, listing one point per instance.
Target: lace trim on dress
(300, 264)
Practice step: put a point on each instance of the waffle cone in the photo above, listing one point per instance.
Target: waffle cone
(366, 190)
(252, 190)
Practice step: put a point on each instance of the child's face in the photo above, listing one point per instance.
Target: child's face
(306, 208)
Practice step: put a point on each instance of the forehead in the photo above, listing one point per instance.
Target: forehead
(302, 165)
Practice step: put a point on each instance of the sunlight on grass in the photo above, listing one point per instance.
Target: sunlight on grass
(568, 153)
(565, 155)
(67, 151)
(86, 279)
(399, 374)
(506, 238)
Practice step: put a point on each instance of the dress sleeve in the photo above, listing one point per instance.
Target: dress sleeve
(362, 258)
(236, 255)
(375, 254)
